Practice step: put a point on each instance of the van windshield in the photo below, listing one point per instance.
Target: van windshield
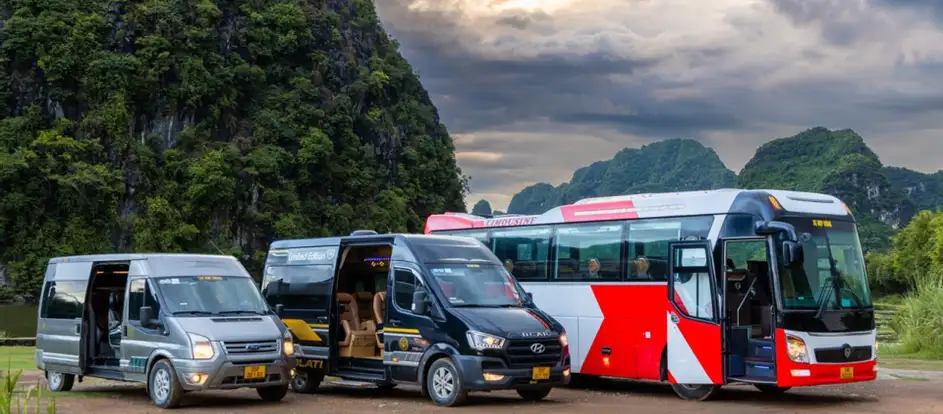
(211, 295)
(476, 285)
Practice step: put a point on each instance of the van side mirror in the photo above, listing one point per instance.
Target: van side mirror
(419, 302)
(146, 316)
(530, 297)
(278, 310)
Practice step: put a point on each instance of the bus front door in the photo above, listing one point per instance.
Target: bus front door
(695, 334)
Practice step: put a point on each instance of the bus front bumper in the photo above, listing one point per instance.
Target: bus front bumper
(799, 375)
(477, 378)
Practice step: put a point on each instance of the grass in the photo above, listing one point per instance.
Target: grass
(18, 357)
(919, 322)
(17, 398)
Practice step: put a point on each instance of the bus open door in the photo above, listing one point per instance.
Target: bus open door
(695, 333)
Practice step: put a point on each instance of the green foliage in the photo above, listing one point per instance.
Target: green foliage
(15, 399)
(207, 126)
(671, 165)
(919, 322)
(482, 208)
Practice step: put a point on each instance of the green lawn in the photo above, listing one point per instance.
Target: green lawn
(17, 357)
(909, 362)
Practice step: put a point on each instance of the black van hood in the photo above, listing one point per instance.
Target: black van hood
(505, 322)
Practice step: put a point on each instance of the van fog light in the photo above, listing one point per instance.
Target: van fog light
(493, 377)
(196, 378)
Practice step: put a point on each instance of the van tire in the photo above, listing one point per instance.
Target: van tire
(59, 382)
(534, 394)
(163, 387)
(444, 384)
(273, 394)
(306, 382)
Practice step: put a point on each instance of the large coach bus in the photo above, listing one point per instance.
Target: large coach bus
(699, 289)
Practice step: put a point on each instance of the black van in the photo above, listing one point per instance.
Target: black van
(436, 311)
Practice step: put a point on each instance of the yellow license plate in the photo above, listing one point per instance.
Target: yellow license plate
(256, 372)
(541, 373)
(847, 372)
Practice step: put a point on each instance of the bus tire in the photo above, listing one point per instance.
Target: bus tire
(771, 389)
(444, 384)
(59, 382)
(700, 392)
(306, 382)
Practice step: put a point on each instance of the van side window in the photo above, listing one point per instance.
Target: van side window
(404, 284)
(63, 300)
(141, 295)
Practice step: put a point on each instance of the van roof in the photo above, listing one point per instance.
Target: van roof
(390, 237)
(118, 257)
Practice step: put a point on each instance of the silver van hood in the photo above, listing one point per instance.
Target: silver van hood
(240, 328)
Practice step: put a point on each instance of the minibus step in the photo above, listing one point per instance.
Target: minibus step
(358, 375)
(353, 384)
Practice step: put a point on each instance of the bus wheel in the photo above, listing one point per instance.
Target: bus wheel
(444, 384)
(59, 381)
(771, 389)
(692, 392)
(306, 382)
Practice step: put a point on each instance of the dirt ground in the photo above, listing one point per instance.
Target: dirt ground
(911, 396)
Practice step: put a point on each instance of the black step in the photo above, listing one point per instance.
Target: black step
(755, 380)
(364, 375)
(759, 348)
(760, 368)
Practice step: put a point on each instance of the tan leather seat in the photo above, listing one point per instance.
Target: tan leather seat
(359, 336)
(379, 307)
(364, 306)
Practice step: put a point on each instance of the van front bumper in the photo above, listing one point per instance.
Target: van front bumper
(474, 375)
(221, 374)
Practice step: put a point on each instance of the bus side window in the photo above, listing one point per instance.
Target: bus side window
(648, 244)
(524, 251)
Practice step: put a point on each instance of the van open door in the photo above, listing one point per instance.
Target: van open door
(695, 334)
(298, 283)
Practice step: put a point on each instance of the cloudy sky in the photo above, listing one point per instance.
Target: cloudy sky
(533, 89)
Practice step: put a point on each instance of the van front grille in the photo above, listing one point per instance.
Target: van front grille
(250, 347)
(520, 354)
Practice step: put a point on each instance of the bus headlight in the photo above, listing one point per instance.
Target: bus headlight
(200, 347)
(796, 349)
(481, 341)
(288, 344)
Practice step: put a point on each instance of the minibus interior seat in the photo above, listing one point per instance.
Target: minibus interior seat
(364, 305)
(359, 339)
(379, 306)
(761, 301)
(108, 281)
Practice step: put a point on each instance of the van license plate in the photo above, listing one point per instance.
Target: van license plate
(541, 373)
(255, 372)
(847, 372)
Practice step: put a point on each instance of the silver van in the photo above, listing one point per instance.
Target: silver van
(175, 322)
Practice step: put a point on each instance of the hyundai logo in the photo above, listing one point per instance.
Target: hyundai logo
(537, 348)
(846, 351)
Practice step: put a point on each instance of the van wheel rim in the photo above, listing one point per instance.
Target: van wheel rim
(55, 380)
(300, 379)
(443, 383)
(161, 387)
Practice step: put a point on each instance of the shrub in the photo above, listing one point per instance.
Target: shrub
(919, 322)
(19, 400)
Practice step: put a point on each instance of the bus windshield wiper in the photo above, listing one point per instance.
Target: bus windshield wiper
(194, 312)
(825, 296)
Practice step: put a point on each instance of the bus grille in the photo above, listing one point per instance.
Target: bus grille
(836, 355)
(250, 347)
(520, 354)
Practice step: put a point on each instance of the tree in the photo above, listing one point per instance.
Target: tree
(482, 208)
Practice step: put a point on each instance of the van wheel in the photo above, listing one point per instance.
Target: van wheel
(163, 386)
(534, 394)
(273, 394)
(771, 389)
(306, 382)
(444, 384)
(691, 392)
(59, 382)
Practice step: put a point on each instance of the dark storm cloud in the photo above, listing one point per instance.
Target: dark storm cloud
(532, 95)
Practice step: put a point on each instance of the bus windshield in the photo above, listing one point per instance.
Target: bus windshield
(211, 295)
(476, 285)
(832, 273)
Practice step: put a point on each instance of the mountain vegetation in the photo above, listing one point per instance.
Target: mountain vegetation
(482, 208)
(818, 160)
(207, 126)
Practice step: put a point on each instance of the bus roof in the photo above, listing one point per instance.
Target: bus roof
(654, 205)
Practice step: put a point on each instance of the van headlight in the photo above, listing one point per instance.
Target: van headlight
(563, 339)
(201, 347)
(481, 341)
(288, 344)
(796, 349)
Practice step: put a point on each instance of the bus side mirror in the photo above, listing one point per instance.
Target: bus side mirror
(278, 310)
(792, 252)
(146, 316)
(419, 302)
